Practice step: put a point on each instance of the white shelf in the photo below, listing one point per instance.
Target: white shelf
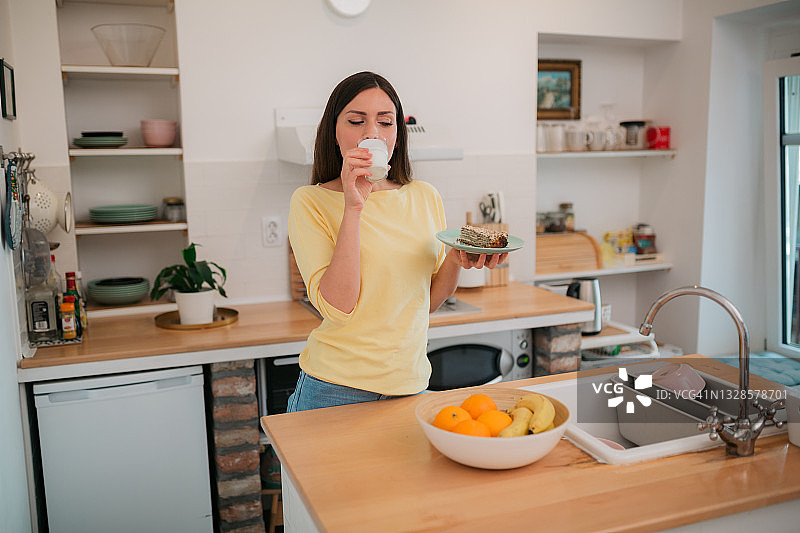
(552, 276)
(100, 152)
(607, 153)
(106, 72)
(91, 229)
(168, 4)
(617, 334)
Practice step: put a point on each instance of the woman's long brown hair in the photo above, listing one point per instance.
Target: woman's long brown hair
(328, 157)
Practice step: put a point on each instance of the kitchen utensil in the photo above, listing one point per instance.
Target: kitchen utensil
(380, 158)
(555, 138)
(471, 277)
(493, 453)
(101, 133)
(450, 236)
(46, 209)
(577, 138)
(158, 133)
(100, 142)
(129, 45)
(658, 138)
(679, 378)
(634, 134)
(12, 221)
(491, 207)
(566, 252)
(35, 256)
(588, 290)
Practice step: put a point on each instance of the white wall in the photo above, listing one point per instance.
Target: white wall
(707, 202)
(14, 507)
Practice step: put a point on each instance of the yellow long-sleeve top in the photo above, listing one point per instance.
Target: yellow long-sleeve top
(381, 344)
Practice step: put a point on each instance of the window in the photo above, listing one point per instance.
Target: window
(782, 186)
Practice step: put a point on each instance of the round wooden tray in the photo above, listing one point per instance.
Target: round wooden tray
(222, 317)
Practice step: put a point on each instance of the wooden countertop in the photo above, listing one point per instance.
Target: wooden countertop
(134, 336)
(369, 467)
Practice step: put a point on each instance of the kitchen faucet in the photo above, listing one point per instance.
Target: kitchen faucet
(739, 435)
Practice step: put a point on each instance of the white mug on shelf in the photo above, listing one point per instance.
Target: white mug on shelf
(577, 138)
(541, 137)
(555, 138)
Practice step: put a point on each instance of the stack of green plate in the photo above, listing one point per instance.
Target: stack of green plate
(118, 291)
(122, 214)
(100, 139)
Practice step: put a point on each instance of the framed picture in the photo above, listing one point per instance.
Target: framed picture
(7, 95)
(558, 94)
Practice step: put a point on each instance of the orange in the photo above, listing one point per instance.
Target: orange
(477, 404)
(473, 428)
(449, 416)
(495, 420)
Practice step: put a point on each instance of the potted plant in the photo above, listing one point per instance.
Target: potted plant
(193, 284)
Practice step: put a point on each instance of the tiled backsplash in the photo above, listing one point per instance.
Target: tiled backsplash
(226, 201)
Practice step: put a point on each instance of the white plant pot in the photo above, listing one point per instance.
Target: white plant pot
(196, 307)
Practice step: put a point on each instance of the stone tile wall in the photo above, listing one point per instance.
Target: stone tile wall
(234, 421)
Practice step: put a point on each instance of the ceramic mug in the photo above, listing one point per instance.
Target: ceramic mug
(541, 137)
(658, 138)
(555, 138)
(577, 139)
(598, 141)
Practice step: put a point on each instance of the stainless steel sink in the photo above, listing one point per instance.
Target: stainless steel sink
(665, 427)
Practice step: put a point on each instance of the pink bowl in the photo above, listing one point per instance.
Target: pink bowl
(158, 133)
(158, 138)
(680, 378)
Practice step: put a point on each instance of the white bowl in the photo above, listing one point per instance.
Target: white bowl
(129, 45)
(493, 453)
(679, 378)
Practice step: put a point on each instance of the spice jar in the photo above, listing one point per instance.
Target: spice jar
(645, 239)
(69, 325)
(174, 210)
(569, 216)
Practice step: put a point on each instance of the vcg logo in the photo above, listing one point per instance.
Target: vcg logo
(644, 381)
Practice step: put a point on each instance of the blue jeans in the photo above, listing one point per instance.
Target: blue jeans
(313, 393)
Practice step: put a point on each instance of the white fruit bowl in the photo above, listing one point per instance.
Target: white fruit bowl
(493, 453)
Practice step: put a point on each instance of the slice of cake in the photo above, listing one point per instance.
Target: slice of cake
(482, 237)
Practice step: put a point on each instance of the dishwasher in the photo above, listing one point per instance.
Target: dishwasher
(125, 452)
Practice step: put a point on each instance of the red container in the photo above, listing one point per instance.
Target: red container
(658, 138)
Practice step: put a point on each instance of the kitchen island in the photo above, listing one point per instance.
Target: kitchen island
(369, 467)
(134, 343)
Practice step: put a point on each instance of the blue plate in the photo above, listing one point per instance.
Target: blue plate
(450, 236)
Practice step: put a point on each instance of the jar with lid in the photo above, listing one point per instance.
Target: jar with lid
(569, 216)
(174, 209)
(69, 324)
(645, 239)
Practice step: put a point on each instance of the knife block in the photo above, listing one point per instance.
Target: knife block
(498, 276)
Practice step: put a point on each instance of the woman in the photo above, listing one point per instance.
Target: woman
(368, 255)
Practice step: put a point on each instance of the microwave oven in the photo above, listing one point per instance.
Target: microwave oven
(480, 359)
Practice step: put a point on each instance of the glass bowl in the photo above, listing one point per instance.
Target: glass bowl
(129, 45)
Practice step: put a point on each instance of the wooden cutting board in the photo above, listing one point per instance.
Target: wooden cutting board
(567, 252)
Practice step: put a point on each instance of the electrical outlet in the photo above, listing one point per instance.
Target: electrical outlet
(271, 231)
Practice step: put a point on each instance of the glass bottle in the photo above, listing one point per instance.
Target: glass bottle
(72, 290)
(569, 216)
(42, 313)
(69, 324)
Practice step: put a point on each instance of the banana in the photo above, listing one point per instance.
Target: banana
(543, 417)
(531, 401)
(521, 418)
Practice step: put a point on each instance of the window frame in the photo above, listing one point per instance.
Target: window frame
(773, 199)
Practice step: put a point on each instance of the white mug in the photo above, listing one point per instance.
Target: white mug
(555, 138)
(578, 139)
(541, 137)
(380, 159)
(598, 141)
